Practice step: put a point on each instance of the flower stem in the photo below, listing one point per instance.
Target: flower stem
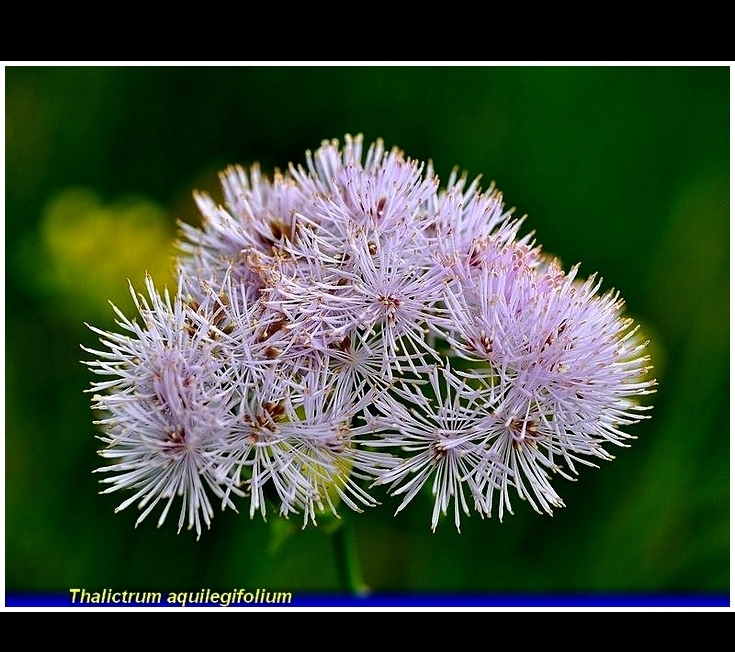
(348, 562)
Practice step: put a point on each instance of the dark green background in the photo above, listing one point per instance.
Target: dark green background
(624, 169)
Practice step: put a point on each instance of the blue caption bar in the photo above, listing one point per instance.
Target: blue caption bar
(295, 599)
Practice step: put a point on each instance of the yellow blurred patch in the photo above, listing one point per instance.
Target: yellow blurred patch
(90, 248)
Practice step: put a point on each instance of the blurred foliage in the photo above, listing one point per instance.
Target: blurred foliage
(624, 168)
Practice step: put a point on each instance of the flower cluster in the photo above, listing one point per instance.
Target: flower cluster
(350, 325)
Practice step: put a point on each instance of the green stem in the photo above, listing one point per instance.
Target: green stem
(348, 562)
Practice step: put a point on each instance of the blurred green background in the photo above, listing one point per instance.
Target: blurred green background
(624, 169)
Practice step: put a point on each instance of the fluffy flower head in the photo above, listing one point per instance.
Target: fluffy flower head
(351, 325)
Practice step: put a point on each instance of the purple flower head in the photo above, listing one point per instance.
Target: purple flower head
(438, 429)
(349, 325)
(293, 439)
(560, 369)
(166, 410)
